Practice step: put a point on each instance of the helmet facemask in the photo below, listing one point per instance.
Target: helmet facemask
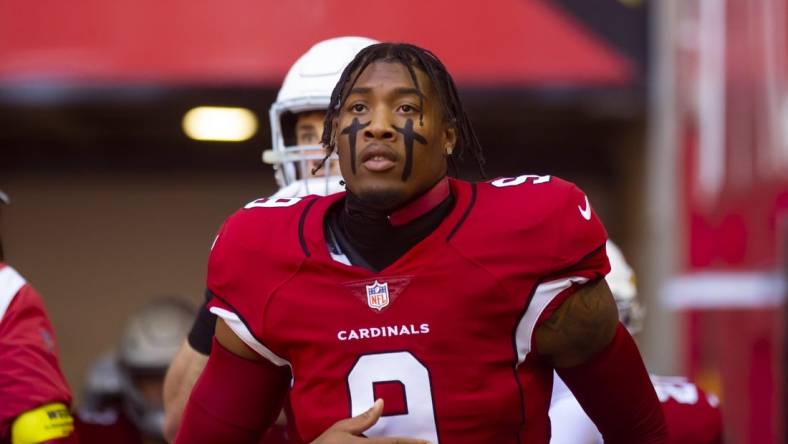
(301, 165)
(307, 88)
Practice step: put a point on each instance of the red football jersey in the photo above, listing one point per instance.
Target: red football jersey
(30, 375)
(693, 417)
(443, 334)
(108, 426)
(277, 434)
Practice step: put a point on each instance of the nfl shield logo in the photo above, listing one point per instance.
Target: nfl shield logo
(378, 295)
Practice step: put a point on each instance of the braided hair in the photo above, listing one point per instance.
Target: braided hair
(411, 57)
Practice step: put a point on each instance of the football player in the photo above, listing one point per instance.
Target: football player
(692, 416)
(121, 401)
(34, 396)
(414, 307)
(296, 128)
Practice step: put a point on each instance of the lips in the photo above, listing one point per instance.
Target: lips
(378, 158)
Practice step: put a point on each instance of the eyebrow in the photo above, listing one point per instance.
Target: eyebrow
(401, 91)
(360, 90)
(406, 91)
(307, 127)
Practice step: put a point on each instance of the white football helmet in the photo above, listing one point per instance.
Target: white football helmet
(150, 340)
(621, 281)
(307, 87)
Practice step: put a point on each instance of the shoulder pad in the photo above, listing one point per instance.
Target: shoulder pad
(256, 249)
(262, 223)
(543, 221)
(524, 201)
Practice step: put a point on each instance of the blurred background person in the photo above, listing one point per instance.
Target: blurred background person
(692, 416)
(296, 120)
(121, 401)
(34, 396)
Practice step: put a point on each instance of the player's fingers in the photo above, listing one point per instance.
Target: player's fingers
(358, 424)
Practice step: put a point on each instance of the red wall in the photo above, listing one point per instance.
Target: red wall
(734, 346)
(516, 42)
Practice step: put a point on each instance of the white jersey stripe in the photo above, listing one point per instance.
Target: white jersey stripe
(237, 326)
(10, 284)
(335, 250)
(543, 295)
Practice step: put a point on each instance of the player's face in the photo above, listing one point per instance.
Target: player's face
(151, 388)
(309, 131)
(309, 127)
(386, 155)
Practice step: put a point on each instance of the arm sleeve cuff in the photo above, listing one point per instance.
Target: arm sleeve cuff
(615, 390)
(234, 400)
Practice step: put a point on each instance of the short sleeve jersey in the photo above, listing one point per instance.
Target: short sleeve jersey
(444, 334)
(30, 375)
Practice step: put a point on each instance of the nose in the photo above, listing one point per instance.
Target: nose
(380, 127)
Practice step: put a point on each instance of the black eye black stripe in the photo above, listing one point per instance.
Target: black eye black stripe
(352, 131)
(409, 136)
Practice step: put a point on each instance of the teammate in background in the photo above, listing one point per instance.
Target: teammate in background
(296, 127)
(414, 308)
(692, 416)
(34, 395)
(122, 398)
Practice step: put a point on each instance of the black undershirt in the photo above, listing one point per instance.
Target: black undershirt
(367, 237)
(364, 235)
(201, 335)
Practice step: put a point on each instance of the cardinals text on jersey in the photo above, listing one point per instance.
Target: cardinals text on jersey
(444, 334)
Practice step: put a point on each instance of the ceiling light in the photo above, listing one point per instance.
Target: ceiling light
(222, 124)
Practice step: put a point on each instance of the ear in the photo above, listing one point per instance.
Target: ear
(449, 140)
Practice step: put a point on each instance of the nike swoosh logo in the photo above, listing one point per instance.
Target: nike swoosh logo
(585, 212)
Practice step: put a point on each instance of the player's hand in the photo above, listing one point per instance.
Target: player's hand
(348, 431)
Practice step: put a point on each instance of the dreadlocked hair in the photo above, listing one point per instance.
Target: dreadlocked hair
(411, 57)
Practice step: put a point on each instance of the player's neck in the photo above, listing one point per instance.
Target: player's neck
(357, 208)
(379, 237)
(421, 205)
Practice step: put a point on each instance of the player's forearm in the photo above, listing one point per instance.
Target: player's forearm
(234, 400)
(598, 360)
(615, 390)
(178, 383)
(200, 426)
